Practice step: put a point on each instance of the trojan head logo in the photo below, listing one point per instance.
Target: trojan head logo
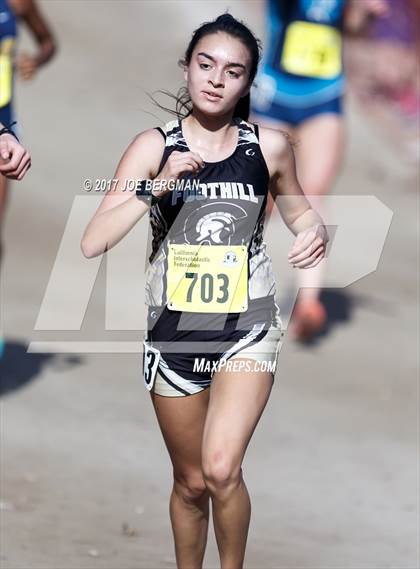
(213, 224)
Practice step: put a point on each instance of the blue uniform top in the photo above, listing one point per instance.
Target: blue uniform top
(294, 30)
(8, 31)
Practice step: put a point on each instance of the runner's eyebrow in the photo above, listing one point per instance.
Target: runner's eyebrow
(227, 65)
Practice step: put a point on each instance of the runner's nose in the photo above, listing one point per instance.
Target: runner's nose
(217, 80)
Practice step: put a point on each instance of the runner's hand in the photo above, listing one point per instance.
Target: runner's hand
(378, 8)
(309, 247)
(26, 66)
(177, 164)
(15, 161)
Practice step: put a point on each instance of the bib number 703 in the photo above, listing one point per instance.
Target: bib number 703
(207, 278)
(207, 287)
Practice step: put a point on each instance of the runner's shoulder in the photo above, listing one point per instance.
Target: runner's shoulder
(148, 138)
(274, 140)
(149, 142)
(144, 152)
(275, 145)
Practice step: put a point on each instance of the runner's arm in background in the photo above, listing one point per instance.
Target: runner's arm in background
(302, 220)
(15, 161)
(28, 12)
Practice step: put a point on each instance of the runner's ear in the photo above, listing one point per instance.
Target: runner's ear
(186, 73)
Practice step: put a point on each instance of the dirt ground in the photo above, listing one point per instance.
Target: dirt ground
(333, 467)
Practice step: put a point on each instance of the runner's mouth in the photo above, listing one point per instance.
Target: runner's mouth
(211, 95)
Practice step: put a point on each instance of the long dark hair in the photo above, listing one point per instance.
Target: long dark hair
(229, 25)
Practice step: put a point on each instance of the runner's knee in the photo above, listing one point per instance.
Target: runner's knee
(220, 472)
(190, 486)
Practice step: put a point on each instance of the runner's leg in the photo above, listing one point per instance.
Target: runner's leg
(318, 158)
(3, 200)
(181, 420)
(237, 400)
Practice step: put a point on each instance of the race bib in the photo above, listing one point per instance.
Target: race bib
(6, 71)
(150, 364)
(207, 278)
(312, 50)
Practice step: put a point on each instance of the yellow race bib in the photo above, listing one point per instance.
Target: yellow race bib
(312, 50)
(207, 278)
(6, 71)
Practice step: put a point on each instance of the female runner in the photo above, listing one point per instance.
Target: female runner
(210, 287)
(300, 91)
(15, 161)
(26, 65)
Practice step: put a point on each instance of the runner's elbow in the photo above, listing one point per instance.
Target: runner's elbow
(86, 248)
(89, 249)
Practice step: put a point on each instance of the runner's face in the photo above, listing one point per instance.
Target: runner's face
(218, 73)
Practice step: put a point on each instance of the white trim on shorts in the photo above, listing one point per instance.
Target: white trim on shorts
(266, 350)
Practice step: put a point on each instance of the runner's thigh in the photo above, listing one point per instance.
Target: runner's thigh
(181, 420)
(237, 401)
(319, 152)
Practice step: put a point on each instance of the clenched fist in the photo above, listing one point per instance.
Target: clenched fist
(177, 164)
(309, 247)
(15, 161)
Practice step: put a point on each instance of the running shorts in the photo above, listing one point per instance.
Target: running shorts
(6, 115)
(191, 347)
(296, 115)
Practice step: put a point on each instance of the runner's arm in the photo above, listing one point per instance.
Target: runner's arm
(292, 203)
(120, 208)
(303, 221)
(29, 12)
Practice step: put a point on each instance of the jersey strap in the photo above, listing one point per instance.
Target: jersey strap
(174, 136)
(162, 132)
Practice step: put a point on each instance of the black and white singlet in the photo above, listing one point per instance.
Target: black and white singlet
(223, 205)
(228, 208)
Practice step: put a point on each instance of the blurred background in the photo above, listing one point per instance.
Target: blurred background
(333, 467)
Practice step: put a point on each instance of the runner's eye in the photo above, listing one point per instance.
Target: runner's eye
(233, 73)
(205, 66)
